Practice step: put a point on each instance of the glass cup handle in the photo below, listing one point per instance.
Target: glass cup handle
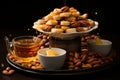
(9, 45)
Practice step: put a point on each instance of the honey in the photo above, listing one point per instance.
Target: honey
(98, 41)
(51, 52)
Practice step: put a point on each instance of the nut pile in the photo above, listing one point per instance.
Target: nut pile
(86, 59)
(64, 20)
(33, 64)
(74, 60)
(86, 37)
(44, 40)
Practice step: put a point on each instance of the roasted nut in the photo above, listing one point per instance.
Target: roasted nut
(96, 65)
(8, 71)
(96, 62)
(11, 71)
(86, 66)
(65, 9)
(76, 68)
(11, 57)
(78, 63)
(70, 63)
(75, 24)
(41, 47)
(84, 56)
(29, 65)
(84, 23)
(46, 44)
(91, 60)
(82, 39)
(43, 41)
(5, 72)
(8, 68)
(71, 66)
(76, 55)
(75, 60)
(44, 36)
(19, 61)
(33, 67)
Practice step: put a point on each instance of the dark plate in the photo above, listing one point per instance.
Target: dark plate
(65, 72)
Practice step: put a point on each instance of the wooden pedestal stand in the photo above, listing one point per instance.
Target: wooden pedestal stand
(70, 45)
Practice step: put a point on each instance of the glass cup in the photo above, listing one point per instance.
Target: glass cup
(26, 46)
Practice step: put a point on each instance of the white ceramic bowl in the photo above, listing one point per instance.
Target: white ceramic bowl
(104, 48)
(52, 62)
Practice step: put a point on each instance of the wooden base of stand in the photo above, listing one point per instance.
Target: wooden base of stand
(72, 45)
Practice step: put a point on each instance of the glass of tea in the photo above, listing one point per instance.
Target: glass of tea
(26, 46)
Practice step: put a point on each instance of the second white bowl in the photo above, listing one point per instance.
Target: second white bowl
(103, 48)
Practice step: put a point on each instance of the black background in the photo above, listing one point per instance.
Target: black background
(18, 16)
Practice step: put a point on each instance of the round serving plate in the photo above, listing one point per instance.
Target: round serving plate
(68, 35)
(65, 71)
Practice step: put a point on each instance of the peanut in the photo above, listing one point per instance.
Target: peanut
(70, 63)
(8, 71)
(78, 63)
(5, 72)
(76, 55)
(96, 65)
(11, 71)
(86, 66)
(96, 62)
(8, 68)
(71, 66)
(76, 68)
(91, 60)
(84, 56)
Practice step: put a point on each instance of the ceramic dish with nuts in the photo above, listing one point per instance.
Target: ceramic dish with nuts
(66, 22)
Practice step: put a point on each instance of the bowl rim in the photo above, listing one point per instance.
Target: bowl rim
(104, 40)
(60, 54)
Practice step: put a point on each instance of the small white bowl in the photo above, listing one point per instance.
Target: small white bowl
(52, 62)
(103, 48)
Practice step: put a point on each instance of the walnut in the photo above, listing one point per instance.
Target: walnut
(79, 29)
(57, 26)
(75, 24)
(65, 9)
(84, 23)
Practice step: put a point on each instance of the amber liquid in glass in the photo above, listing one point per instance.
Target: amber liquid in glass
(26, 48)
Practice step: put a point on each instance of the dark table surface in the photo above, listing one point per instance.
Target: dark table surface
(111, 73)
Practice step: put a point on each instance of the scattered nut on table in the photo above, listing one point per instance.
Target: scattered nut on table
(8, 71)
